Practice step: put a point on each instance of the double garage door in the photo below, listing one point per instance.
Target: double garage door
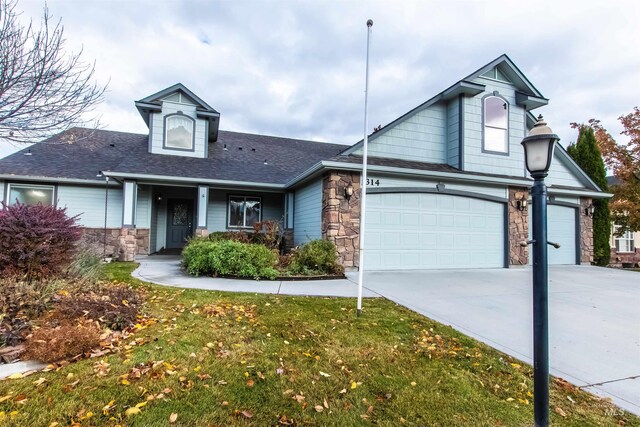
(433, 231)
(412, 231)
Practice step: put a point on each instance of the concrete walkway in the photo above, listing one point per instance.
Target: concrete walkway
(165, 270)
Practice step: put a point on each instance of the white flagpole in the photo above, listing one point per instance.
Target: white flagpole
(363, 182)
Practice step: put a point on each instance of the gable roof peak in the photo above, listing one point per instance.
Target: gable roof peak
(512, 72)
(157, 97)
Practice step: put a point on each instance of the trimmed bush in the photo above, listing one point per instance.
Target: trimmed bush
(114, 306)
(229, 258)
(51, 344)
(36, 241)
(315, 257)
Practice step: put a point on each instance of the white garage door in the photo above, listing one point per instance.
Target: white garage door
(429, 231)
(561, 228)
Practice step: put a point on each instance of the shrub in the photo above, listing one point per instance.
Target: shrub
(36, 241)
(20, 303)
(226, 257)
(86, 265)
(195, 255)
(114, 306)
(236, 236)
(268, 233)
(315, 257)
(51, 344)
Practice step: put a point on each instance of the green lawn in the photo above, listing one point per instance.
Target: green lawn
(236, 359)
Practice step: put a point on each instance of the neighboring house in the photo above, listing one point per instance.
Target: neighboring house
(625, 249)
(447, 185)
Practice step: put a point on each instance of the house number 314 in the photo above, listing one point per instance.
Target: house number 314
(373, 182)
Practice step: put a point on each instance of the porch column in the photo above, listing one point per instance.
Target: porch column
(127, 241)
(203, 205)
(130, 191)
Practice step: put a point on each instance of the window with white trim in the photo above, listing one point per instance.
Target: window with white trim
(178, 132)
(244, 211)
(625, 243)
(496, 125)
(30, 194)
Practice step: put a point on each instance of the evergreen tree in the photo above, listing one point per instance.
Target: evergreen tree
(586, 154)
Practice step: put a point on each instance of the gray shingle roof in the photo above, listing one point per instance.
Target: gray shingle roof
(81, 153)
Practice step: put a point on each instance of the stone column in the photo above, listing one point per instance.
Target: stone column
(341, 216)
(127, 244)
(202, 232)
(518, 226)
(586, 232)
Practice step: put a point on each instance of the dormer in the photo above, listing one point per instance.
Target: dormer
(180, 123)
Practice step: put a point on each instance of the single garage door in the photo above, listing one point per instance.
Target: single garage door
(433, 231)
(561, 228)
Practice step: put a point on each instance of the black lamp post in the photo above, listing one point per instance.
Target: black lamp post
(538, 153)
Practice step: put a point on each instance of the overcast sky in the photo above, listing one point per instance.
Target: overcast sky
(296, 68)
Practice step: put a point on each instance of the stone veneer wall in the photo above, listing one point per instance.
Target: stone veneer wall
(132, 242)
(586, 232)
(94, 237)
(518, 227)
(201, 232)
(341, 217)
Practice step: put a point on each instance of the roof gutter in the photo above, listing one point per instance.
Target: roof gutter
(403, 171)
(196, 181)
(577, 192)
(30, 178)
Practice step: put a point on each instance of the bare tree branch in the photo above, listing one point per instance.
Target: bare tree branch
(43, 90)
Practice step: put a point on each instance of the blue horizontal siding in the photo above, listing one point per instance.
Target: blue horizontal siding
(307, 222)
(88, 203)
(474, 158)
(421, 136)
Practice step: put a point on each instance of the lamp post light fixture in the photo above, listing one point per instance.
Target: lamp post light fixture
(538, 153)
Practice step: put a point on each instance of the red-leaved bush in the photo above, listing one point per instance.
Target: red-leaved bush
(36, 241)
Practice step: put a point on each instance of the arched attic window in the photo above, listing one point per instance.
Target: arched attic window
(179, 132)
(496, 125)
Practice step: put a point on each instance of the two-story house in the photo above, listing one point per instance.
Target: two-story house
(447, 185)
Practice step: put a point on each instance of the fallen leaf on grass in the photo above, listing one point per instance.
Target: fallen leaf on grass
(250, 383)
(324, 374)
(15, 376)
(173, 418)
(560, 412)
(247, 414)
(132, 411)
(40, 381)
(319, 408)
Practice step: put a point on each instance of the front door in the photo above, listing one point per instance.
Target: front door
(179, 222)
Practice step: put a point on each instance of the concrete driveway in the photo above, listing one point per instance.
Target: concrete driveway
(594, 316)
